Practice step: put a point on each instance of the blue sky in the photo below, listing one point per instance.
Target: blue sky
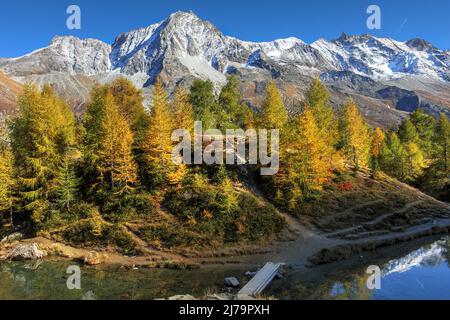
(26, 25)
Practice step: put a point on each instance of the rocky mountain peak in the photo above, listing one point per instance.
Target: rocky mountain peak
(420, 44)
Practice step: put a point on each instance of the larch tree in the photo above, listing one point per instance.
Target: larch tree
(378, 139)
(304, 166)
(183, 115)
(376, 147)
(68, 185)
(273, 114)
(157, 144)
(92, 135)
(41, 136)
(249, 121)
(183, 112)
(436, 178)
(130, 102)
(318, 99)
(116, 164)
(414, 162)
(7, 178)
(355, 137)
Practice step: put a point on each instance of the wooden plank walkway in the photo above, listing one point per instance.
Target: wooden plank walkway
(261, 280)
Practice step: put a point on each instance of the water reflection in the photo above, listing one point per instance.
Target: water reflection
(48, 281)
(420, 272)
(409, 271)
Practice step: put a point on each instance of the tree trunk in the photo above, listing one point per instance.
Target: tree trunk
(11, 220)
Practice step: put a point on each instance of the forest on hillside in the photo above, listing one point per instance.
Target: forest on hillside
(81, 180)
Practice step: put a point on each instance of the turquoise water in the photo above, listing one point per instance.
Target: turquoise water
(423, 274)
(416, 270)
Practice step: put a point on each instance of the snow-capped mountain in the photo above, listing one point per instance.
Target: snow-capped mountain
(385, 59)
(183, 47)
(64, 54)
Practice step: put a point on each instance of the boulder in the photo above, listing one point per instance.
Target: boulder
(93, 258)
(232, 282)
(26, 252)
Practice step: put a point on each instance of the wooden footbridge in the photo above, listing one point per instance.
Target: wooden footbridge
(261, 280)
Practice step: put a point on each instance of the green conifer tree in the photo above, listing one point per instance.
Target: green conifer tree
(204, 103)
(408, 132)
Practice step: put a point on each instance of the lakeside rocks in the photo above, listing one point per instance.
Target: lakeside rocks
(26, 252)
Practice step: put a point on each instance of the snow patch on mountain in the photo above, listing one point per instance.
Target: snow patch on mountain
(202, 68)
(186, 42)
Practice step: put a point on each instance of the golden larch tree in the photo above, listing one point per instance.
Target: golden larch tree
(116, 162)
(273, 114)
(304, 166)
(157, 144)
(378, 138)
(355, 137)
(183, 113)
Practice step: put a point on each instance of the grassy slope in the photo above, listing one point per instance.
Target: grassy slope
(365, 206)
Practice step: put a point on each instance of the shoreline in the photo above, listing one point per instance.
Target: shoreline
(309, 249)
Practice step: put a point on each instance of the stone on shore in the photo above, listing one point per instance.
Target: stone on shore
(26, 252)
(182, 297)
(232, 282)
(93, 258)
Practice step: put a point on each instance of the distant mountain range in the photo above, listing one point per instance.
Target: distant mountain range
(386, 77)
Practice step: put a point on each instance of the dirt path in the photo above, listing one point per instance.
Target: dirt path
(375, 221)
(351, 210)
(307, 242)
(311, 242)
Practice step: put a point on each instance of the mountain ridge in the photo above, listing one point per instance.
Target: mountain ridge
(183, 47)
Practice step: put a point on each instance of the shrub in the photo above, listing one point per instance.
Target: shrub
(345, 186)
(222, 214)
(129, 207)
(94, 231)
(169, 236)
